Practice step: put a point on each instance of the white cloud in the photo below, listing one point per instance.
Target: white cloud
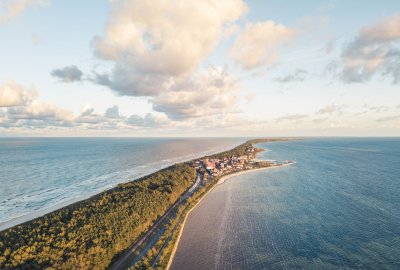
(21, 109)
(166, 38)
(87, 110)
(257, 45)
(13, 94)
(9, 9)
(149, 121)
(213, 92)
(109, 120)
(41, 111)
(157, 52)
(153, 43)
(374, 51)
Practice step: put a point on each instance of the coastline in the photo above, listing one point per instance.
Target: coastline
(221, 181)
(18, 220)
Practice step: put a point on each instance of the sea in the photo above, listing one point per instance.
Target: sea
(337, 207)
(39, 175)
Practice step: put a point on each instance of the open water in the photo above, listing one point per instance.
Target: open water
(338, 207)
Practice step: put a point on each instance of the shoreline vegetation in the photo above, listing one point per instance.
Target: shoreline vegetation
(95, 233)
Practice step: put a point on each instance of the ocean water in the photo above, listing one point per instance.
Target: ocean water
(41, 174)
(338, 207)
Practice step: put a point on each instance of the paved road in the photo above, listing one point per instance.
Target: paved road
(125, 260)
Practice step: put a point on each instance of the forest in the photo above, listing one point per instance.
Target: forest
(90, 233)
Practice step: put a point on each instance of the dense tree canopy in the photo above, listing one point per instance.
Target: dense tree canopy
(88, 234)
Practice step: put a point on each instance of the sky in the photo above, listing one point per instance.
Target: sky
(199, 68)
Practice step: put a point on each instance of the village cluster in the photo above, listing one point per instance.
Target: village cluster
(217, 166)
(212, 167)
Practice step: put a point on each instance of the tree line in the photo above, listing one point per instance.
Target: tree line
(90, 233)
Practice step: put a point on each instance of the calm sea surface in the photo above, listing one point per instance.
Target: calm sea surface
(40, 174)
(338, 207)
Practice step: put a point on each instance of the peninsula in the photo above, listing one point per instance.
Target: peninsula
(132, 226)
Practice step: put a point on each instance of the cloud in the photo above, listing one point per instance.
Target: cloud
(330, 109)
(385, 31)
(149, 121)
(150, 46)
(297, 76)
(112, 112)
(319, 120)
(125, 80)
(112, 119)
(68, 74)
(257, 44)
(379, 109)
(88, 116)
(13, 94)
(87, 110)
(109, 120)
(375, 50)
(38, 112)
(20, 109)
(211, 93)
(9, 9)
(158, 53)
(292, 117)
(389, 118)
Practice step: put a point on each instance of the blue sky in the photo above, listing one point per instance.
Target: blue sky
(196, 68)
